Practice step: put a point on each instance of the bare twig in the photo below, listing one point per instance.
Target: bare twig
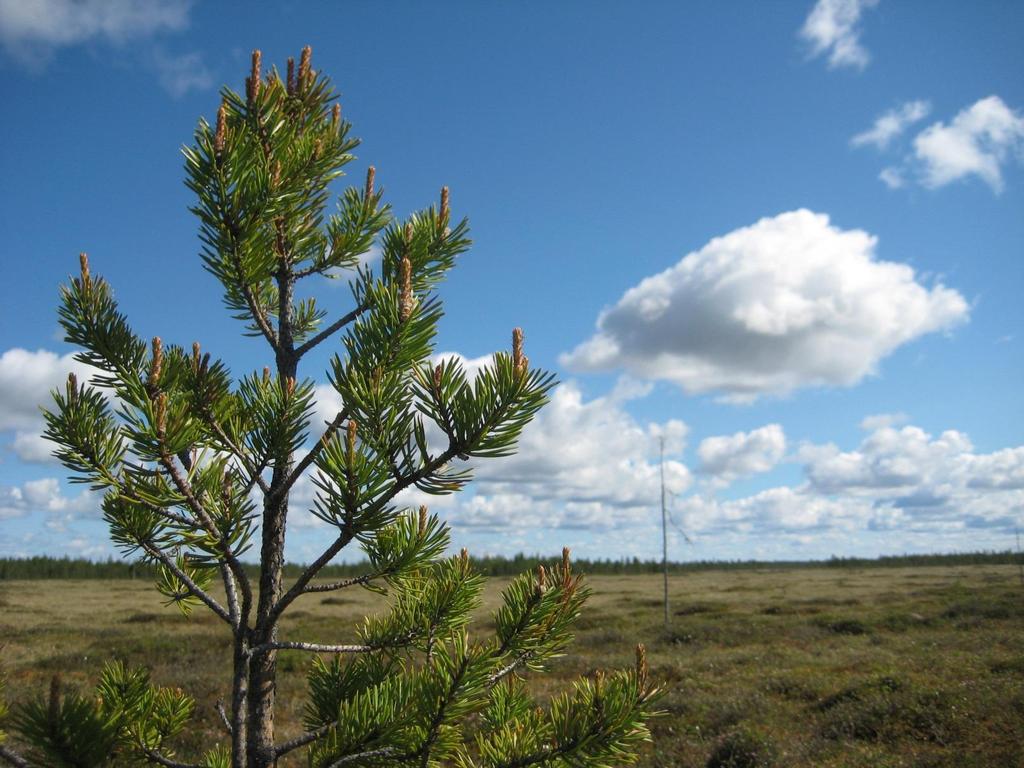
(223, 716)
(300, 741)
(311, 647)
(331, 330)
(354, 581)
(155, 757)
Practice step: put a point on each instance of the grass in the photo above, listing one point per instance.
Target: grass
(884, 667)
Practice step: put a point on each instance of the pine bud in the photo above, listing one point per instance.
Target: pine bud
(518, 361)
(405, 301)
(253, 83)
(304, 72)
(444, 212)
(158, 361)
(566, 567)
(422, 522)
(275, 174)
(160, 414)
(350, 437)
(464, 556)
(266, 374)
(83, 262)
(72, 388)
(221, 135)
(541, 581)
(195, 356)
(336, 116)
(437, 378)
(291, 76)
(371, 172)
(288, 386)
(641, 666)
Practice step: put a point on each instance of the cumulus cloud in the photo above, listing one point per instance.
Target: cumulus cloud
(892, 124)
(31, 30)
(579, 451)
(916, 480)
(26, 379)
(977, 142)
(789, 302)
(726, 458)
(45, 496)
(832, 27)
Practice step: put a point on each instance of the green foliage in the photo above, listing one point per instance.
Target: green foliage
(195, 466)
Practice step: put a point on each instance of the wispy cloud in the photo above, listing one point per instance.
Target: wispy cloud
(786, 303)
(890, 125)
(183, 73)
(980, 141)
(977, 142)
(832, 27)
(32, 30)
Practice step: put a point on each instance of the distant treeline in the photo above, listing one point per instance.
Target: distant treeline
(68, 568)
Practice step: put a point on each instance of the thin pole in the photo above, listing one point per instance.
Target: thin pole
(1020, 559)
(664, 527)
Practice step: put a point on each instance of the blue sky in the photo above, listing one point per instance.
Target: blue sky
(787, 237)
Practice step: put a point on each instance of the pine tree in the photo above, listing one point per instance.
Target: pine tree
(196, 469)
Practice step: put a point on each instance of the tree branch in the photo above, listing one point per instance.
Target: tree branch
(300, 741)
(232, 566)
(311, 648)
(330, 330)
(13, 758)
(155, 757)
(354, 581)
(382, 752)
(310, 457)
(194, 588)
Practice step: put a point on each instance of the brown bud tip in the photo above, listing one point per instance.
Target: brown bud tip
(422, 523)
(221, 134)
(160, 412)
(158, 360)
(371, 172)
(195, 354)
(336, 115)
(405, 298)
(517, 348)
(350, 434)
(444, 204)
(83, 262)
(289, 386)
(266, 373)
(73, 385)
(254, 75)
(542, 578)
(290, 84)
(408, 235)
(304, 61)
(641, 664)
(464, 555)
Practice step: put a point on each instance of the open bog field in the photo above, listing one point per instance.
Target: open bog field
(804, 667)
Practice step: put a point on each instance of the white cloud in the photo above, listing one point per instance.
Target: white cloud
(31, 30)
(182, 73)
(890, 125)
(45, 496)
(33, 448)
(728, 457)
(832, 27)
(892, 178)
(26, 379)
(788, 302)
(588, 452)
(977, 142)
